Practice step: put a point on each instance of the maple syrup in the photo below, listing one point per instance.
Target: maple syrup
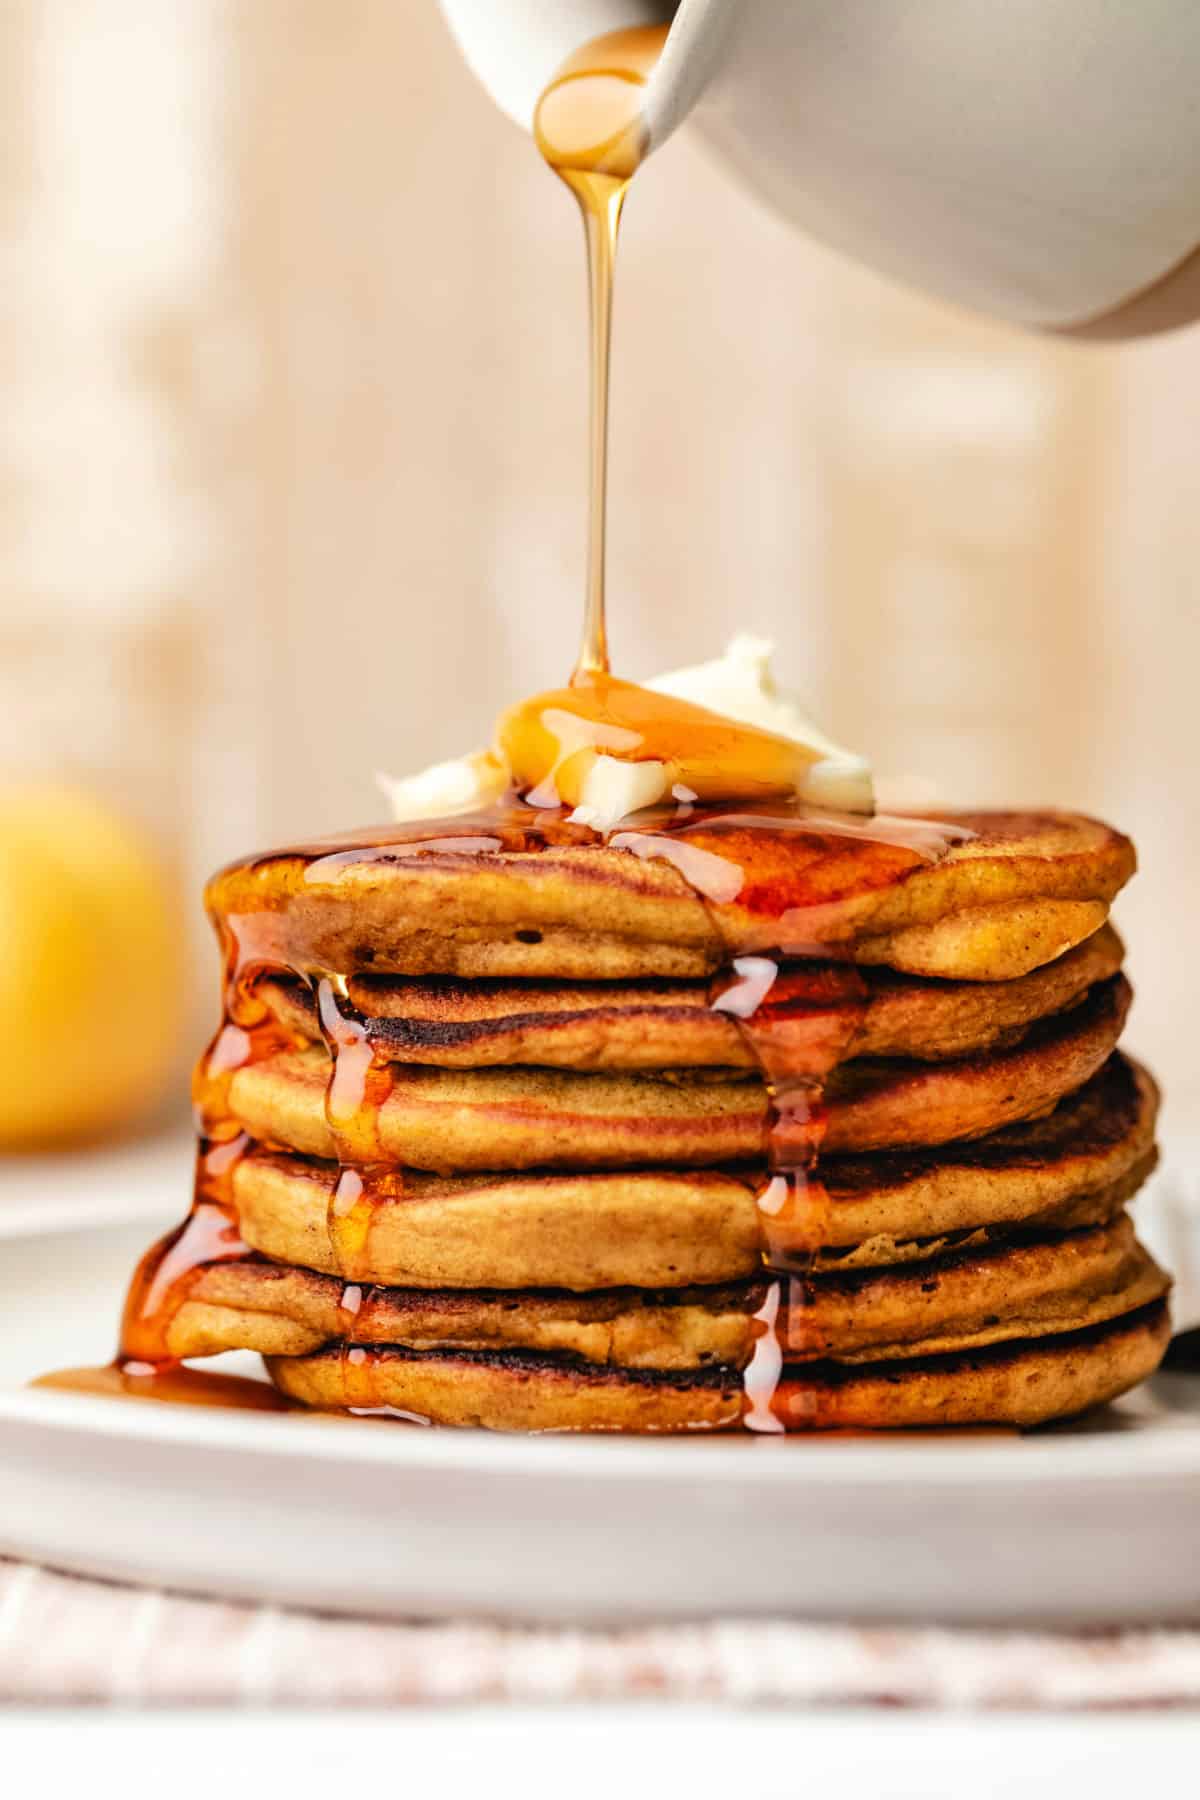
(770, 875)
(552, 742)
(588, 126)
(179, 1384)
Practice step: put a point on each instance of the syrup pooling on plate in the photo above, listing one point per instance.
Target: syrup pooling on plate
(179, 1384)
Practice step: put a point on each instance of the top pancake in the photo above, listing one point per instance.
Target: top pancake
(651, 1025)
(453, 898)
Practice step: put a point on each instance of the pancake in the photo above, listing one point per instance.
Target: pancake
(1075, 1167)
(889, 1103)
(451, 1120)
(1023, 1383)
(435, 899)
(968, 1299)
(962, 1301)
(289, 1312)
(444, 1023)
(1098, 1141)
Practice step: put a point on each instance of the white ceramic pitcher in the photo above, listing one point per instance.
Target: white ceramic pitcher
(1036, 159)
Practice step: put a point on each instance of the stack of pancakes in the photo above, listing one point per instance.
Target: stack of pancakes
(502, 1162)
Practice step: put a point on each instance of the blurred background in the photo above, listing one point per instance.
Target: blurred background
(292, 479)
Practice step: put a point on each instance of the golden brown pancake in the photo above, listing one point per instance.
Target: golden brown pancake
(1024, 890)
(1097, 1141)
(289, 1312)
(956, 1302)
(886, 1103)
(1022, 1383)
(668, 1228)
(451, 1120)
(968, 1299)
(444, 1023)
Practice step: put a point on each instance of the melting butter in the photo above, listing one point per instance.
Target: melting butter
(740, 685)
(586, 755)
(461, 785)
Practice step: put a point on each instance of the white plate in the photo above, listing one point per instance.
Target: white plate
(1093, 1523)
(72, 1189)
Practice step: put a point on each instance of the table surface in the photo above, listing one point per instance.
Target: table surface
(542, 1753)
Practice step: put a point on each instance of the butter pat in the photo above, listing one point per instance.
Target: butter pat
(593, 758)
(739, 685)
(462, 785)
(612, 790)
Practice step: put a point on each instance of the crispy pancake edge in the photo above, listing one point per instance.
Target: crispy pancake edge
(1027, 889)
(458, 1121)
(957, 1301)
(453, 1024)
(1018, 1384)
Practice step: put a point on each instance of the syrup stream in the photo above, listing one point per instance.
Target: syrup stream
(601, 198)
(588, 127)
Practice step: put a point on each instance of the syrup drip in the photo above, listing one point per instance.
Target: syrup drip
(359, 1084)
(358, 1088)
(798, 1024)
(145, 1365)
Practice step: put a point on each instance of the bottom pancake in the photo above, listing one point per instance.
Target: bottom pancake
(961, 1301)
(1022, 1384)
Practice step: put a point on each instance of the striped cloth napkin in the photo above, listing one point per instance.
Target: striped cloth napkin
(69, 1641)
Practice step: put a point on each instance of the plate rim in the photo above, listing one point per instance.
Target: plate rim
(819, 1462)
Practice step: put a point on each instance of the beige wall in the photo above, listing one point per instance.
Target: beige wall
(291, 457)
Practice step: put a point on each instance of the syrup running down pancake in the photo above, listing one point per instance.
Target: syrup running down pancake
(1024, 1384)
(519, 891)
(524, 1118)
(963, 1299)
(449, 1024)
